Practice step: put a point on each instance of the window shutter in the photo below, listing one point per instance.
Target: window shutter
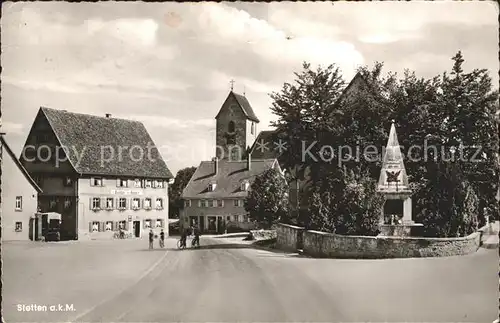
(90, 204)
(222, 203)
(126, 203)
(144, 224)
(117, 182)
(199, 203)
(90, 226)
(116, 226)
(126, 225)
(103, 203)
(103, 226)
(91, 181)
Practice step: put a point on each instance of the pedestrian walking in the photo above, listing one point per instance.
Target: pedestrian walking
(151, 238)
(162, 239)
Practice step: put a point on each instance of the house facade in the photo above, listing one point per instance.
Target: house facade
(100, 173)
(19, 196)
(214, 197)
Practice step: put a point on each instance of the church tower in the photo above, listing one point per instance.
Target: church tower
(236, 128)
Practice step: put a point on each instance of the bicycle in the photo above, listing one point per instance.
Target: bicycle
(181, 245)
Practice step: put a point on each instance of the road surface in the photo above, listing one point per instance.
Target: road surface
(224, 282)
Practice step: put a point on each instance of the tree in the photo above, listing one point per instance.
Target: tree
(175, 191)
(359, 210)
(304, 110)
(267, 201)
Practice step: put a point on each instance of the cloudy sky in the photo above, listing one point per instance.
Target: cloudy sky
(169, 64)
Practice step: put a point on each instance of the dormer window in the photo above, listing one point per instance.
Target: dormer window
(147, 183)
(212, 186)
(244, 186)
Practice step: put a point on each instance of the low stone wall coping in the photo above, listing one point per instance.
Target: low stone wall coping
(470, 236)
(291, 226)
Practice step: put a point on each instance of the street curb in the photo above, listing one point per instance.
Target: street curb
(135, 282)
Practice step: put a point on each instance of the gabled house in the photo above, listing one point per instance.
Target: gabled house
(19, 196)
(100, 173)
(215, 193)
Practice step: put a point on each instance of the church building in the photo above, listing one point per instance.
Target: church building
(215, 193)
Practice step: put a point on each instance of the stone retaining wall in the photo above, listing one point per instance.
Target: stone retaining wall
(321, 244)
(288, 237)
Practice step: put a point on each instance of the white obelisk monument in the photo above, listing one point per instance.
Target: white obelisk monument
(396, 217)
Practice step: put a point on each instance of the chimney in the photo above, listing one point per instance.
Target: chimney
(216, 165)
(249, 161)
(108, 115)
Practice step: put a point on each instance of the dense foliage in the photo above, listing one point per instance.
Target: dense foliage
(267, 201)
(175, 203)
(447, 131)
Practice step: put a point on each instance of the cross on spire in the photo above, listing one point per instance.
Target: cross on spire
(244, 91)
(232, 84)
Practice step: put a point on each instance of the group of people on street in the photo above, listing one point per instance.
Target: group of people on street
(193, 230)
(152, 237)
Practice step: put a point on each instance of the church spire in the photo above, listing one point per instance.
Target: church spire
(232, 85)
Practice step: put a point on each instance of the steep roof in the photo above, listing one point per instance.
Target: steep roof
(266, 145)
(244, 105)
(23, 170)
(97, 139)
(230, 175)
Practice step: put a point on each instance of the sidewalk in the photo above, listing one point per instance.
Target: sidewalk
(79, 273)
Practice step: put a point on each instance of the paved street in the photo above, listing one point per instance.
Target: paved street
(224, 282)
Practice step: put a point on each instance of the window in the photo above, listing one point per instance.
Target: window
(138, 183)
(147, 183)
(147, 203)
(67, 181)
(213, 203)
(187, 203)
(19, 226)
(236, 202)
(96, 181)
(19, 203)
(252, 129)
(220, 203)
(110, 203)
(230, 127)
(67, 203)
(212, 186)
(228, 218)
(109, 225)
(147, 224)
(244, 186)
(121, 183)
(122, 225)
(122, 203)
(136, 203)
(160, 184)
(159, 223)
(154, 184)
(95, 226)
(159, 203)
(96, 203)
(53, 204)
(203, 203)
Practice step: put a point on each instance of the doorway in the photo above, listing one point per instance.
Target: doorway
(137, 229)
